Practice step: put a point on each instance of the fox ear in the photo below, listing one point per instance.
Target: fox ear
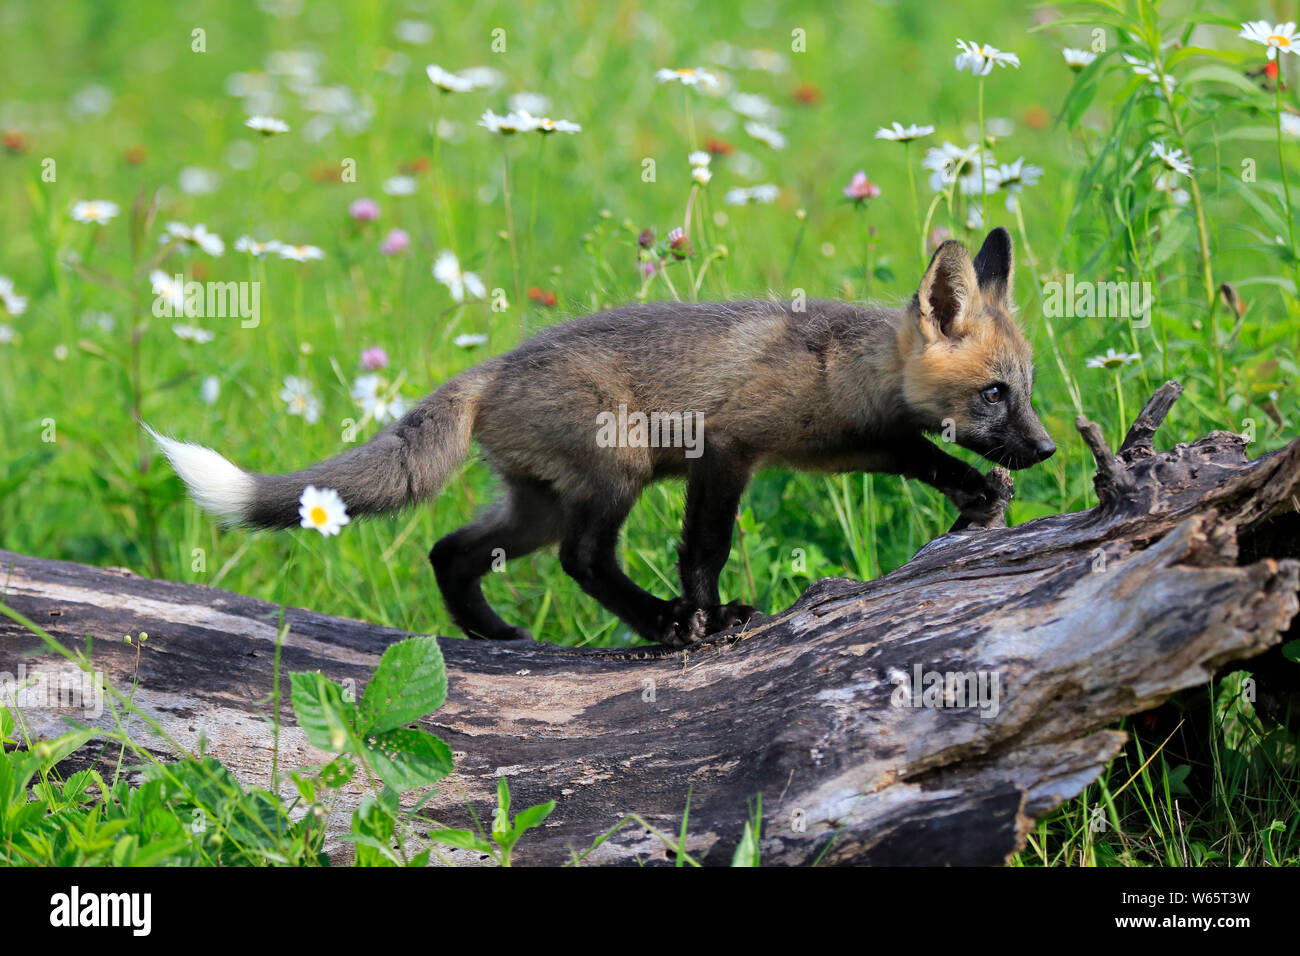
(948, 294)
(995, 263)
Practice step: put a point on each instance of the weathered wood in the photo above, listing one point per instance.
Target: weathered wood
(1082, 618)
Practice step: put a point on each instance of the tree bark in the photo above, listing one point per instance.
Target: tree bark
(1076, 620)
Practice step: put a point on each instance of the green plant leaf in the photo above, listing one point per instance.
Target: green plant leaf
(324, 716)
(405, 759)
(410, 682)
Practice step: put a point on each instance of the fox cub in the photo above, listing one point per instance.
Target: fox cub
(583, 416)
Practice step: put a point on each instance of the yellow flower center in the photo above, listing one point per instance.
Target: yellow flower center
(687, 72)
(1278, 40)
(318, 515)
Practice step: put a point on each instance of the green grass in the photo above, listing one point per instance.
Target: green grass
(97, 493)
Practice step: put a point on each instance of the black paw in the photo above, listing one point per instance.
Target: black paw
(986, 507)
(723, 617)
(681, 624)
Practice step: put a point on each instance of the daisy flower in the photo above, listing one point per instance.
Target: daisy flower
(687, 77)
(300, 398)
(903, 134)
(322, 509)
(257, 249)
(980, 58)
(1014, 177)
(167, 288)
(512, 122)
(13, 303)
(860, 188)
(764, 194)
(95, 210)
(1282, 36)
(448, 82)
(447, 271)
(368, 392)
(197, 235)
(266, 125)
(699, 158)
(1112, 359)
(1173, 159)
(1076, 60)
(468, 340)
(1146, 68)
(544, 124)
(301, 253)
(1167, 182)
(192, 333)
(210, 390)
(950, 164)
(399, 186)
(1291, 123)
(765, 134)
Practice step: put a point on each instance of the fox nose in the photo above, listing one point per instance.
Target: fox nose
(1045, 449)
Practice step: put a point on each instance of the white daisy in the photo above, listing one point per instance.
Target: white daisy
(764, 194)
(399, 185)
(1148, 69)
(95, 210)
(701, 174)
(1112, 359)
(322, 509)
(1291, 123)
(951, 164)
(903, 134)
(266, 125)
(512, 122)
(300, 398)
(1173, 159)
(448, 82)
(544, 124)
(468, 340)
(196, 235)
(687, 77)
(1014, 177)
(300, 253)
(210, 390)
(192, 333)
(257, 249)
(765, 134)
(169, 289)
(369, 392)
(447, 271)
(980, 58)
(1077, 59)
(14, 304)
(699, 159)
(1281, 36)
(1167, 182)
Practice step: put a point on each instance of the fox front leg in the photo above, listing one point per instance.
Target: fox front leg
(981, 500)
(713, 491)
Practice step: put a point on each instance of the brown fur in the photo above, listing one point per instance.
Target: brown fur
(835, 387)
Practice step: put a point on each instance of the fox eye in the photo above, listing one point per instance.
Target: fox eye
(993, 394)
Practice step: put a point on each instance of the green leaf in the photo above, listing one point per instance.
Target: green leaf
(405, 759)
(747, 850)
(324, 716)
(1217, 73)
(410, 682)
(503, 795)
(533, 816)
(460, 839)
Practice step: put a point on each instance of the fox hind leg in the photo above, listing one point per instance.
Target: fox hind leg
(525, 518)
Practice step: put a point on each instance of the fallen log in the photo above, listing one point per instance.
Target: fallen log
(840, 711)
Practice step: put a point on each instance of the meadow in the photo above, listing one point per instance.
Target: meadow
(440, 181)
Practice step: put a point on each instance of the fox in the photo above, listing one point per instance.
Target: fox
(819, 385)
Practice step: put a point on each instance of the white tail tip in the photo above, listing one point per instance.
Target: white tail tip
(216, 484)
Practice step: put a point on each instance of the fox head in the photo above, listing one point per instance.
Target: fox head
(967, 366)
